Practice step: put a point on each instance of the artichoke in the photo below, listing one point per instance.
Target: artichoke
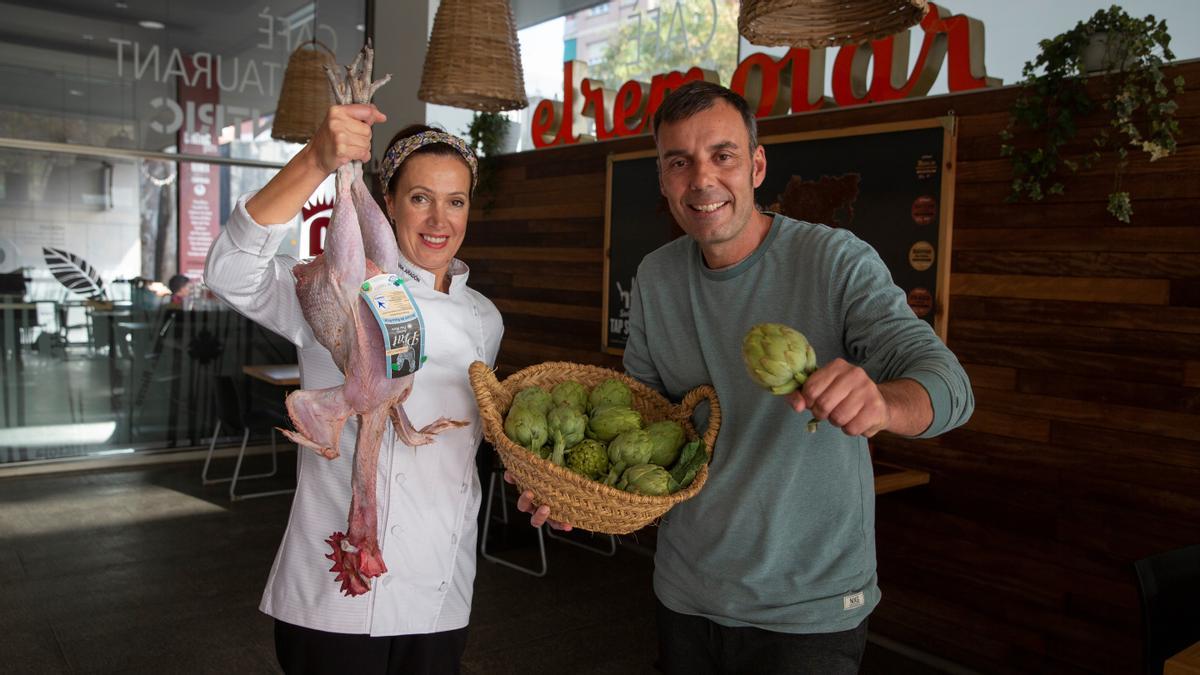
(666, 438)
(608, 394)
(571, 394)
(565, 426)
(589, 458)
(534, 397)
(610, 422)
(526, 427)
(645, 479)
(631, 447)
(778, 358)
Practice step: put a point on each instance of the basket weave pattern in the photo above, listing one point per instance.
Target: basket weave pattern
(473, 59)
(304, 97)
(816, 24)
(573, 498)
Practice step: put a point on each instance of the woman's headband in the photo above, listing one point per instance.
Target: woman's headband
(404, 147)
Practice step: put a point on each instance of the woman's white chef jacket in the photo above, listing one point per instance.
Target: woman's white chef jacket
(428, 496)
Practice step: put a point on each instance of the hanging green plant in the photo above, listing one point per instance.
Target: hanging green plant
(1135, 95)
(486, 136)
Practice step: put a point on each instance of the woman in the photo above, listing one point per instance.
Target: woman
(414, 617)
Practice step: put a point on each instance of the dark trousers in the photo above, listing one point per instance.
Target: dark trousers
(304, 651)
(694, 645)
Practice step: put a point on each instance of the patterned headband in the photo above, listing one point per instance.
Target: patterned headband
(404, 147)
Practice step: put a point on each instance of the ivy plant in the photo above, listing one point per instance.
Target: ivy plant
(1135, 96)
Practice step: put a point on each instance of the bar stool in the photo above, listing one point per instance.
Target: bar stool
(229, 412)
(498, 476)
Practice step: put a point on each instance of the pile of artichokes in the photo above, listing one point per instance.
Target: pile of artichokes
(598, 435)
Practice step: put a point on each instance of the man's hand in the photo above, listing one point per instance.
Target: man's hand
(844, 395)
(541, 514)
(849, 399)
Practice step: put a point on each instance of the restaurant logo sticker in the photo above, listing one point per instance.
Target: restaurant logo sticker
(921, 256)
(927, 167)
(921, 302)
(924, 210)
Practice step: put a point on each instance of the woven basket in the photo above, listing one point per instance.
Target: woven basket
(816, 24)
(304, 98)
(473, 59)
(572, 498)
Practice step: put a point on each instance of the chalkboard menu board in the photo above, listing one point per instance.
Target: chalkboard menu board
(892, 185)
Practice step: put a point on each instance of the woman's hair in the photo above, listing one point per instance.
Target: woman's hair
(431, 149)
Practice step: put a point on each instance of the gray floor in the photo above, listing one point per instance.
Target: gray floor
(141, 570)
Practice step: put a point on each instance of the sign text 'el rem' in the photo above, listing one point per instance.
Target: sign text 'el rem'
(791, 84)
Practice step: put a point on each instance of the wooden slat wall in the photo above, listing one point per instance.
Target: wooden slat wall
(1082, 339)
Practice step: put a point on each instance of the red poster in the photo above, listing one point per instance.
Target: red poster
(199, 184)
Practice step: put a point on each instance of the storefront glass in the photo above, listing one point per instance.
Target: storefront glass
(97, 217)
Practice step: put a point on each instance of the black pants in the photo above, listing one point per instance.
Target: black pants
(304, 651)
(694, 645)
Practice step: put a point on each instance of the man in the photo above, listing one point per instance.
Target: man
(771, 567)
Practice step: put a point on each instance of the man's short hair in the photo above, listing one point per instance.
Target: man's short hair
(697, 96)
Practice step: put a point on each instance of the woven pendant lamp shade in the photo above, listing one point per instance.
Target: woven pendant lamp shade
(825, 23)
(304, 97)
(474, 60)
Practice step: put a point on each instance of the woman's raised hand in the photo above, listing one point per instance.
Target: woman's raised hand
(344, 136)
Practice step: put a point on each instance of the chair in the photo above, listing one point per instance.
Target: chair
(229, 413)
(498, 477)
(1169, 588)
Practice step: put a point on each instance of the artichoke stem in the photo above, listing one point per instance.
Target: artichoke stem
(557, 457)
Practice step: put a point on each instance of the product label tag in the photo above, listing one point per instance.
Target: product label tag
(854, 601)
(399, 320)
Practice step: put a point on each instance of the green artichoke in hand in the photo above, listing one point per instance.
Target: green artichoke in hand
(666, 437)
(534, 397)
(611, 422)
(779, 358)
(609, 394)
(571, 394)
(629, 448)
(645, 479)
(526, 427)
(565, 427)
(589, 459)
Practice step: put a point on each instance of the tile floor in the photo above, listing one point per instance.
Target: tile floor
(141, 570)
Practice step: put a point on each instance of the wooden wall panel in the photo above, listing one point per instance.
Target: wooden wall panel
(1082, 338)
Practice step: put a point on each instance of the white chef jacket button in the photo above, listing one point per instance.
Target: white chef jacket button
(462, 488)
(397, 529)
(453, 539)
(442, 587)
(400, 478)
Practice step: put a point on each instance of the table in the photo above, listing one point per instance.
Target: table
(283, 375)
(890, 477)
(1186, 662)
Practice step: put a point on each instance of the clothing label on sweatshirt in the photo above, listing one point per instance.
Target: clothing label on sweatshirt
(854, 601)
(399, 320)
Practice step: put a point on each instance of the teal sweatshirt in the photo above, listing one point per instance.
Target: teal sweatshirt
(782, 537)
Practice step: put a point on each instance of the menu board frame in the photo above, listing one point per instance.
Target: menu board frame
(897, 169)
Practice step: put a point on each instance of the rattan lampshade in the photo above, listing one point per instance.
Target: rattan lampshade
(304, 97)
(825, 23)
(474, 60)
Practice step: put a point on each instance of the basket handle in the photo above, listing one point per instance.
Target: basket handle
(315, 43)
(688, 407)
(487, 387)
